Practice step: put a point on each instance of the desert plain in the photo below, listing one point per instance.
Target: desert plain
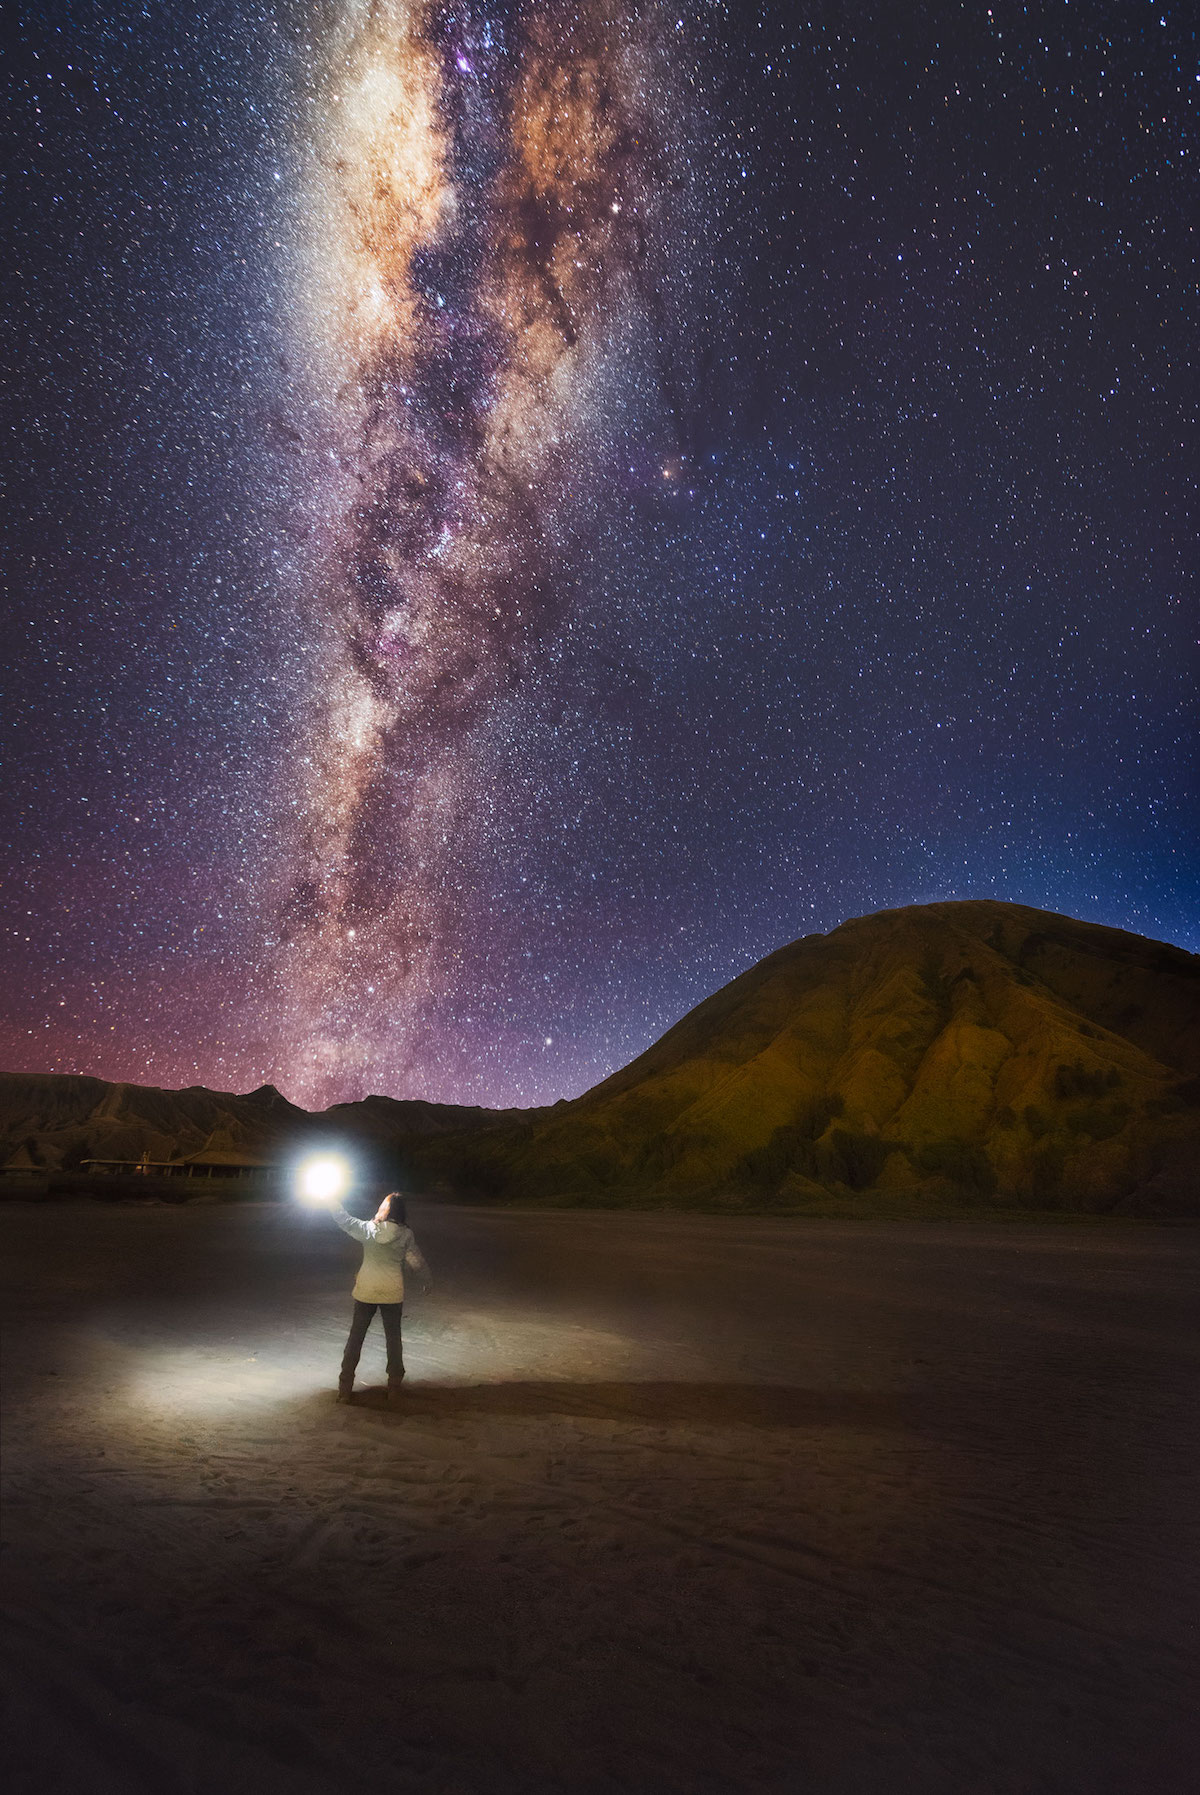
(674, 1503)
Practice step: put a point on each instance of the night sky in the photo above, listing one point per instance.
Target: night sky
(522, 510)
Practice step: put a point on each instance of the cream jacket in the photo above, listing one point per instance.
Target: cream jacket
(387, 1249)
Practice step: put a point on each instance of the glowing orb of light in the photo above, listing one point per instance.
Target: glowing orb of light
(322, 1180)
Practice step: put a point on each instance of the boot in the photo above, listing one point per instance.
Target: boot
(345, 1389)
(395, 1390)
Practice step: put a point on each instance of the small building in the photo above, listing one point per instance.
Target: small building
(23, 1163)
(222, 1162)
(209, 1162)
(146, 1166)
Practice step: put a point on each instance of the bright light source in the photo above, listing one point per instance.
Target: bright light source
(323, 1180)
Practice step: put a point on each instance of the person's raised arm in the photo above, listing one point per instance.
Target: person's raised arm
(350, 1225)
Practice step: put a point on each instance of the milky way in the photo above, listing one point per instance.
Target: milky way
(477, 233)
(457, 626)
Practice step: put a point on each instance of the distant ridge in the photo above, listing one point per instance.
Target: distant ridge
(57, 1121)
(973, 1054)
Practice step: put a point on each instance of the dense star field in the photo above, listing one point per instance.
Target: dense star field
(522, 510)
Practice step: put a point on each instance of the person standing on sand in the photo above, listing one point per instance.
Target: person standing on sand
(388, 1246)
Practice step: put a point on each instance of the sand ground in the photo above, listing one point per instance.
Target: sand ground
(675, 1504)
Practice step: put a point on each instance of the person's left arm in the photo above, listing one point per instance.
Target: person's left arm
(415, 1260)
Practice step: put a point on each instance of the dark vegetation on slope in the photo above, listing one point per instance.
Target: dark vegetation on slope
(939, 1058)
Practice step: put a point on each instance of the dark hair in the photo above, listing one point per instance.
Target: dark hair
(397, 1211)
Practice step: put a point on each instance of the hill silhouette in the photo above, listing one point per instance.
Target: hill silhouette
(973, 1053)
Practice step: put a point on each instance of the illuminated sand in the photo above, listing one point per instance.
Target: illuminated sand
(678, 1503)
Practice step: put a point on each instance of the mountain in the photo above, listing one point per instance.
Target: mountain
(945, 1053)
(56, 1121)
(941, 1056)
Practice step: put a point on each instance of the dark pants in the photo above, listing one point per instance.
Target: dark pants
(391, 1313)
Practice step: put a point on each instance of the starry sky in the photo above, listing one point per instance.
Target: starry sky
(520, 510)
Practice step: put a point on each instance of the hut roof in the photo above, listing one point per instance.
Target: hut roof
(224, 1156)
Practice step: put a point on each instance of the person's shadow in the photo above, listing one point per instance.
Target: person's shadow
(645, 1404)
